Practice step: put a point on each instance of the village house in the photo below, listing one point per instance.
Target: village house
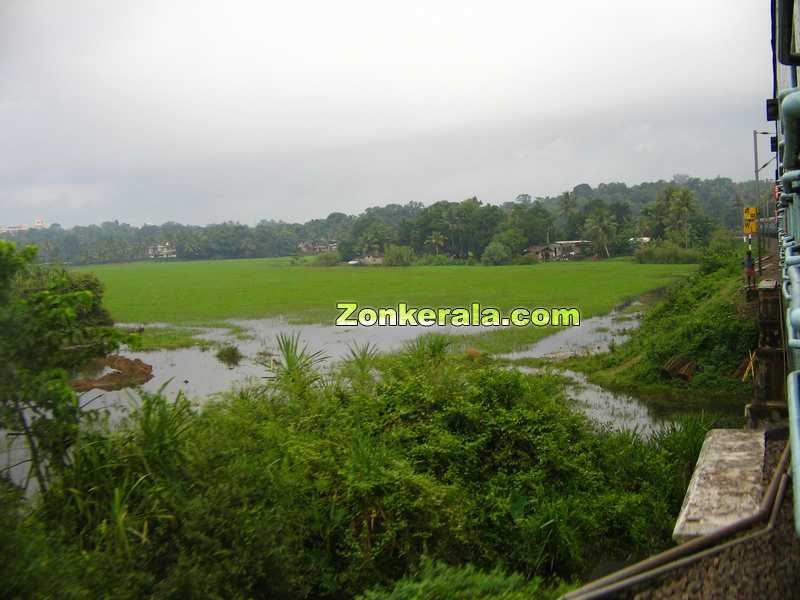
(14, 229)
(317, 247)
(165, 250)
(562, 250)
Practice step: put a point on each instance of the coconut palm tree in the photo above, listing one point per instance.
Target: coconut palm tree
(599, 228)
(436, 240)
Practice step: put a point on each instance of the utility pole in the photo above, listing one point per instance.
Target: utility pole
(761, 214)
(758, 203)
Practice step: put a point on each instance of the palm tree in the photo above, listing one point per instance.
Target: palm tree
(436, 240)
(600, 229)
(568, 205)
(682, 208)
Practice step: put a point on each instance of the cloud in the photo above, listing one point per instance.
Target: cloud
(200, 111)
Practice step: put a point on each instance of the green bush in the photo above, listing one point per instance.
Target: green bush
(667, 252)
(438, 581)
(704, 318)
(496, 253)
(525, 259)
(229, 354)
(725, 251)
(398, 256)
(327, 259)
(339, 486)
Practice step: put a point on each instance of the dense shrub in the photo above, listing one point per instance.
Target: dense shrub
(496, 253)
(229, 354)
(438, 581)
(398, 256)
(725, 251)
(327, 259)
(667, 252)
(351, 486)
(704, 318)
(525, 259)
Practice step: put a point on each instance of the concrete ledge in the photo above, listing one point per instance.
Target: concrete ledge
(727, 483)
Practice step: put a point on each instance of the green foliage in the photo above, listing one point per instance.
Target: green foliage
(359, 364)
(438, 260)
(676, 216)
(51, 323)
(428, 348)
(229, 354)
(438, 581)
(39, 564)
(331, 490)
(327, 259)
(667, 253)
(295, 369)
(724, 251)
(398, 256)
(681, 210)
(167, 338)
(704, 318)
(512, 238)
(600, 229)
(525, 259)
(496, 253)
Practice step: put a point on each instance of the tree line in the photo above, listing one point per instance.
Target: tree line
(683, 211)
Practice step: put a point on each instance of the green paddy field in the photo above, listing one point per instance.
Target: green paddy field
(209, 292)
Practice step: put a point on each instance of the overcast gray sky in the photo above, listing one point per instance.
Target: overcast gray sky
(198, 112)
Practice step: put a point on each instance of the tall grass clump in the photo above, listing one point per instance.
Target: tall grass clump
(359, 364)
(439, 581)
(296, 368)
(117, 492)
(229, 354)
(425, 349)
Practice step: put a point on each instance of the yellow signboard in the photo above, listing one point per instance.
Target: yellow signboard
(750, 224)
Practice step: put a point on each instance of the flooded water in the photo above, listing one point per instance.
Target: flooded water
(606, 408)
(198, 373)
(594, 335)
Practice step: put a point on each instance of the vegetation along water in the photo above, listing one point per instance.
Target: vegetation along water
(433, 466)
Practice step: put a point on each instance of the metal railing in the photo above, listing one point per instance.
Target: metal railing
(787, 93)
(788, 233)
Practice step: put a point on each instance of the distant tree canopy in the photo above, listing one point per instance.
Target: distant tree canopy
(683, 211)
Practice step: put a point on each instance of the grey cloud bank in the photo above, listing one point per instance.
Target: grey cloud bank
(195, 112)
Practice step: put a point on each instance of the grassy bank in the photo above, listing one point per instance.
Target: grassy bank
(705, 320)
(369, 481)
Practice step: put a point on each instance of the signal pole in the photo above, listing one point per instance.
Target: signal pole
(760, 214)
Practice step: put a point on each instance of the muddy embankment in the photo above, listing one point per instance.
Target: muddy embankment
(118, 372)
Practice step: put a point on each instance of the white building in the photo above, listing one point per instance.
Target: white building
(14, 229)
